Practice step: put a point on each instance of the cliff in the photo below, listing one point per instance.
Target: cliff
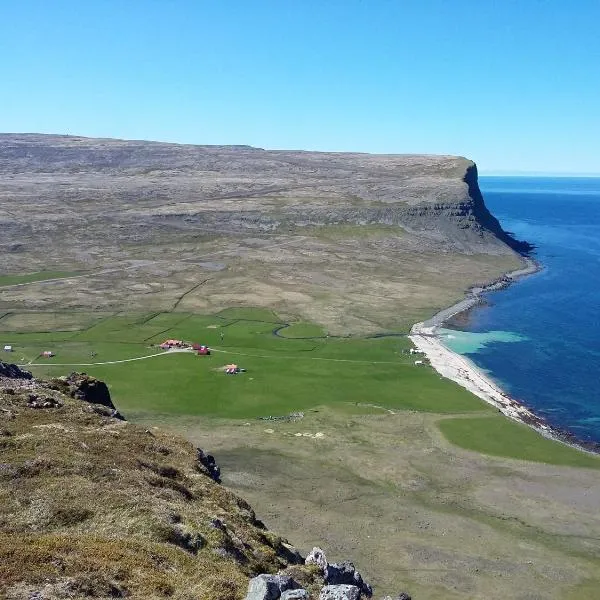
(241, 188)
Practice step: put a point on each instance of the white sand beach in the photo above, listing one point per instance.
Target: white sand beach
(461, 370)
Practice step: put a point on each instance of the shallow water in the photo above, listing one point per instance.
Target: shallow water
(540, 338)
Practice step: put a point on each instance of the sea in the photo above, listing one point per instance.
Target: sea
(539, 339)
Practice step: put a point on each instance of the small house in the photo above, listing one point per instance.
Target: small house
(8, 348)
(47, 354)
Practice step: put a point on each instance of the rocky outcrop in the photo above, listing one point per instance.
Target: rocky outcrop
(437, 197)
(270, 587)
(339, 592)
(317, 557)
(345, 573)
(207, 464)
(88, 389)
(11, 371)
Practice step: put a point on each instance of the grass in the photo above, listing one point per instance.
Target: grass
(302, 330)
(6, 280)
(500, 436)
(132, 515)
(40, 321)
(283, 374)
(353, 232)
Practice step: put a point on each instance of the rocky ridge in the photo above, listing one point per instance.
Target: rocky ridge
(240, 188)
(93, 506)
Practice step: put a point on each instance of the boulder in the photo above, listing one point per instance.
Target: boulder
(13, 372)
(269, 587)
(317, 557)
(339, 592)
(289, 553)
(35, 401)
(206, 464)
(89, 389)
(345, 573)
(299, 594)
(401, 596)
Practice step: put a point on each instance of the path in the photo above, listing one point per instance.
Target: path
(188, 350)
(108, 362)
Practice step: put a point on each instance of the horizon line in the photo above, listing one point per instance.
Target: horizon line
(564, 174)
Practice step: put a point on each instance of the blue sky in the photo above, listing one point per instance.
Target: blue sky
(513, 84)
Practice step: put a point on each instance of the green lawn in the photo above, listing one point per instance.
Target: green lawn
(284, 374)
(500, 436)
(31, 277)
(302, 330)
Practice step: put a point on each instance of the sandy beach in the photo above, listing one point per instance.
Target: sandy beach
(462, 371)
(465, 373)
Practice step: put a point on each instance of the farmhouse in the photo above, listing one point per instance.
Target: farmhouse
(8, 348)
(168, 344)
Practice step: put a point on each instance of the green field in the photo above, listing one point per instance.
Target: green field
(31, 277)
(295, 372)
(499, 436)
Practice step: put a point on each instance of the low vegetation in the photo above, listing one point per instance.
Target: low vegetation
(93, 506)
(290, 367)
(8, 280)
(499, 436)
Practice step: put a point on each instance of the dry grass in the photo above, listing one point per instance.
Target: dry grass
(413, 511)
(92, 506)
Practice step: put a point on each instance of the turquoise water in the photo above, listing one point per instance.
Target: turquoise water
(465, 342)
(540, 338)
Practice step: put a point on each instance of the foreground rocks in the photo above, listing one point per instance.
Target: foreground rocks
(346, 574)
(323, 581)
(270, 587)
(340, 592)
(13, 371)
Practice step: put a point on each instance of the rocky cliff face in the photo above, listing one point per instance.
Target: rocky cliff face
(239, 188)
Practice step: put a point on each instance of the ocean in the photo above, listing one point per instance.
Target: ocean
(539, 339)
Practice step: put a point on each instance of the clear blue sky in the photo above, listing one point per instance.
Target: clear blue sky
(513, 84)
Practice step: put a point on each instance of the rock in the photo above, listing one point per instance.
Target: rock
(89, 389)
(299, 594)
(317, 557)
(269, 587)
(401, 596)
(206, 464)
(13, 372)
(289, 553)
(345, 573)
(35, 401)
(339, 592)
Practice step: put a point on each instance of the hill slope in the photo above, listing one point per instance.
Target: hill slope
(92, 506)
(310, 233)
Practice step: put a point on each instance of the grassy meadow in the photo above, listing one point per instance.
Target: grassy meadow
(289, 367)
(32, 277)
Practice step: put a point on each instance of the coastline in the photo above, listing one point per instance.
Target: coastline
(463, 371)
